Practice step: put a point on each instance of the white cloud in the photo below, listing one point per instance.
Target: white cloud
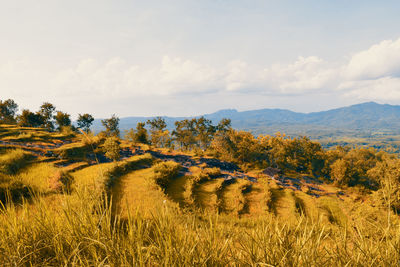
(304, 75)
(117, 78)
(385, 89)
(378, 61)
(373, 74)
(120, 79)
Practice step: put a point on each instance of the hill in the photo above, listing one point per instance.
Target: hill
(363, 125)
(362, 118)
(63, 199)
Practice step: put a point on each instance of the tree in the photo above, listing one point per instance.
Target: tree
(62, 119)
(158, 132)
(47, 112)
(112, 126)
(224, 125)
(184, 133)
(130, 135)
(204, 131)
(85, 121)
(387, 174)
(237, 146)
(111, 148)
(8, 110)
(141, 133)
(339, 171)
(30, 119)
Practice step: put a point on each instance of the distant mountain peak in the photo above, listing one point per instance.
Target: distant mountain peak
(225, 112)
(370, 103)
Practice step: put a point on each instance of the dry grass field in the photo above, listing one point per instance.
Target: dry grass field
(147, 211)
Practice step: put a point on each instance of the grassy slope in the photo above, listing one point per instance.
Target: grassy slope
(135, 194)
(261, 224)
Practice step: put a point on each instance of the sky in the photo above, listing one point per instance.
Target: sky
(182, 58)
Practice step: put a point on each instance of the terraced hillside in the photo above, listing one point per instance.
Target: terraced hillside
(202, 184)
(169, 205)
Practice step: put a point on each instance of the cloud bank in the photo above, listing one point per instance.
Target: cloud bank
(372, 74)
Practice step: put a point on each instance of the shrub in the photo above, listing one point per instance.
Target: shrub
(164, 172)
(112, 148)
(13, 161)
(14, 192)
(206, 174)
(73, 151)
(212, 172)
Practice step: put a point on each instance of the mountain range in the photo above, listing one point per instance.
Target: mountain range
(360, 119)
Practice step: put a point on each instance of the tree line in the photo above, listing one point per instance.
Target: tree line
(47, 117)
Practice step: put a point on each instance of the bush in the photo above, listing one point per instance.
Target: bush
(73, 151)
(212, 172)
(111, 148)
(164, 172)
(14, 160)
(206, 174)
(14, 192)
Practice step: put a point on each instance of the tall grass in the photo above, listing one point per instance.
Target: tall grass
(123, 167)
(85, 233)
(14, 160)
(81, 229)
(164, 172)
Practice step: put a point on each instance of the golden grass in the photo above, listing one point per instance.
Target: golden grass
(38, 177)
(232, 199)
(143, 225)
(258, 198)
(83, 232)
(205, 194)
(136, 194)
(14, 160)
(176, 189)
(92, 177)
(22, 135)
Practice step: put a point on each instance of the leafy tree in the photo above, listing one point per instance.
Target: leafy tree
(8, 110)
(130, 135)
(112, 126)
(85, 121)
(358, 162)
(204, 131)
(238, 146)
(30, 119)
(141, 133)
(224, 125)
(184, 133)
(111, 148)
(340, 172)
(386, 173)
(62, 119)
(158, 132)
(47, 112)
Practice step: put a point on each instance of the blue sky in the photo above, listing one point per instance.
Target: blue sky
(192, 57)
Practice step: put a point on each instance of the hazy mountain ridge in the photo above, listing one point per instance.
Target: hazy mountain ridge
(365, 117)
